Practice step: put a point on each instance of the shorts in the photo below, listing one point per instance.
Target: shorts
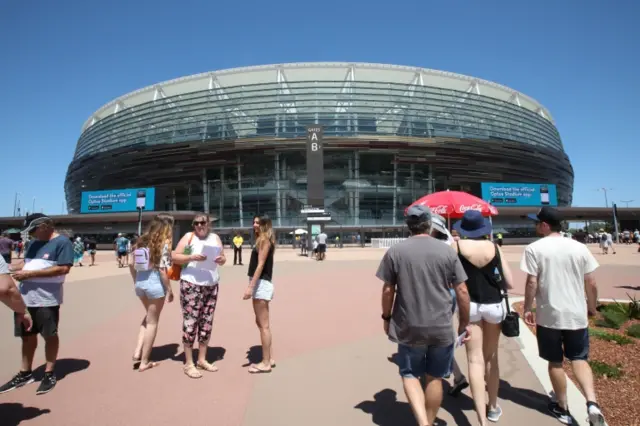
(454, 303)
(263, 290)
(122, 254)
(492, 313)
(555, 345)
(322, 248)
(433, 361)
(7, 258)
(45, 322)
(149, 285)
(92, 252)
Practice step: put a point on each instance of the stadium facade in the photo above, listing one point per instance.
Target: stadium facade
(232, 142)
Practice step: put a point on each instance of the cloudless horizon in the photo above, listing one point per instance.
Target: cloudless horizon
(62, 61)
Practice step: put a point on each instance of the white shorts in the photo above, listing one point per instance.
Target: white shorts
(263, 290)
(492, 313)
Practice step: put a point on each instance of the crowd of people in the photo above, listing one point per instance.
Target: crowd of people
(441, 291)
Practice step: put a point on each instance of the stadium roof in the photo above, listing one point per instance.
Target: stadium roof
(282, 74)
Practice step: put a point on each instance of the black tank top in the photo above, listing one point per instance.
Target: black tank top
(267, 271)
(484, 284)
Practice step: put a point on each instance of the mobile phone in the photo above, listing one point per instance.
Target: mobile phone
(460, 339)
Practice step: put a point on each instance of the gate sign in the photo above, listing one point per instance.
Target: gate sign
(519, 194)
(315, 166)
(118, 200)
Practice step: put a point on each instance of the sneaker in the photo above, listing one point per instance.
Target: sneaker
(458, 387)
(595, 415)
(47, 384)
(560, 413)
(494, 415)
(21, 379)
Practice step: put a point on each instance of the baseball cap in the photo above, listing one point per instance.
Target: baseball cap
(418, 214)
(34, 220)
(547, 215)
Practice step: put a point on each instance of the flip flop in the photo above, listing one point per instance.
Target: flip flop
(147, 367)
(254, 369)
(207, 367)
(136, 360)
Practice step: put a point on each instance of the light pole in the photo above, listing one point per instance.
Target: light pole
(16, 203)
(33, 205)
(626, 202)
(606, 200)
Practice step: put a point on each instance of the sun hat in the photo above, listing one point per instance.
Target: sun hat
(473, 225)
(438, 223)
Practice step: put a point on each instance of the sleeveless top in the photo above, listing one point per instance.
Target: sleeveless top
(485, 284)
(267, 271)
(201, 273)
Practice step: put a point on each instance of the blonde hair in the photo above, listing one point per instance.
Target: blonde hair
(158, 233)
(265, 231)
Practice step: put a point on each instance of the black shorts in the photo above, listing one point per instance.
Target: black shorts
(45, 322)
(7, 258)
(122, 254)
(555, 345)
(322, 248)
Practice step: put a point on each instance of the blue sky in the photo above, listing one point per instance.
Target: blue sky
(61, 61)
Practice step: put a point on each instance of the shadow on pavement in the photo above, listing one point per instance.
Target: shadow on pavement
(524, 397)
(629, 287)
(386, 410)
(170, 352)
(13, 413)
(64, 367)
(254, 355)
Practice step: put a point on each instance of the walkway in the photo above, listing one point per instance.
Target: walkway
(333, 362)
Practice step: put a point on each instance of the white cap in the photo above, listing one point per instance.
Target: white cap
(438, 223)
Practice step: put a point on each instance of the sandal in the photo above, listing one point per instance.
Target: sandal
(136, 360)
(206, 367)
(192, 372)
(147, 366)
(254, 369)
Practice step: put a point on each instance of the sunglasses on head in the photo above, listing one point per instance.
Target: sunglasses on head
(200, 222)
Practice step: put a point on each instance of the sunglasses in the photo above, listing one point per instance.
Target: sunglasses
(200, 222)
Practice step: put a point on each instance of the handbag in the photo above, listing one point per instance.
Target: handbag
(511, 322)
(175, 270)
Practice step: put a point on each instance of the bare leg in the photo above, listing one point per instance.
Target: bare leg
(559, 383)
(154, 309)
(584, 375)
(476, 372)
(29, 346)
(261, 309)
(51, 346)
(433, 397)
(137, 353)
(491, 337)
(416, 397)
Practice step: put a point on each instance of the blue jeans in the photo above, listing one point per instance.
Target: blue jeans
(433, 361)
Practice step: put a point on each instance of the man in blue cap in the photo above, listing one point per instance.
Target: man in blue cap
(417, 310)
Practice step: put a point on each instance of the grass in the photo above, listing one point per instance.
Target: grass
(634, 331)
(611, 318)
(610, 337)
(602, 369)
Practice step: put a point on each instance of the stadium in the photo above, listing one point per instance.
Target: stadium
(232, 142)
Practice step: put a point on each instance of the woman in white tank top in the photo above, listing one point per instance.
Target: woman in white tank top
(201, 252)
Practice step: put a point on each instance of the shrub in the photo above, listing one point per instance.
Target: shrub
(634, 307)
(634, 331)
(602, 369)
(610, 337)
(611, 319)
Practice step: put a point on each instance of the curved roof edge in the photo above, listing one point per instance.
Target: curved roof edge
(319, 71)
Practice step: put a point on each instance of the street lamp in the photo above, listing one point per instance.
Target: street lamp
(627, 202)
(16, 203)
(606, 200)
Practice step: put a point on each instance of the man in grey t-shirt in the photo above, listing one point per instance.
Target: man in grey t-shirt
(417, 310)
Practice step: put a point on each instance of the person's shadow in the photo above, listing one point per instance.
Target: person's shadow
(254, 356)
(526, 398)
(64, 367)
(386, 410)
(170, 352)
(12, 413)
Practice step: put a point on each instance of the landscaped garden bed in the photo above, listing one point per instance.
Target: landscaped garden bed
(615, 359)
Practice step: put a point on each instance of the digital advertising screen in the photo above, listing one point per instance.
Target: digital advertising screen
(118, 200)
(519, 194)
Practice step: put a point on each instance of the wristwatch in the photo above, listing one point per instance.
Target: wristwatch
(386, 318)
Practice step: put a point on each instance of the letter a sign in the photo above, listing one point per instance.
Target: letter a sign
(315, 166)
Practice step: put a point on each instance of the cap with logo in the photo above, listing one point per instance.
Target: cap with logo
(32, 221)
(547, 215)
(418, 214)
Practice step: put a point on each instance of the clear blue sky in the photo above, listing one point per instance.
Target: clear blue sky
(61, 60)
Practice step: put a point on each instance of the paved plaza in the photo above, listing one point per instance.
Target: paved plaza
(334, 365)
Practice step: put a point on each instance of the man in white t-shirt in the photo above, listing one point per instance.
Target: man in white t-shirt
(560, 278)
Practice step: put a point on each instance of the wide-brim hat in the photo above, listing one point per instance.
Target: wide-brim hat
(473, 225)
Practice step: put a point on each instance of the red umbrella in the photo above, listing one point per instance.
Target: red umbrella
(453, 204)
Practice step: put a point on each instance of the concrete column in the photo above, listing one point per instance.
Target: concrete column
(349, 190)
(412, 173)
(174, 203)
(357, 178)
(205, 191)
(395, 187)
(430, 184)
(276, 175)
(221, 201)
(240, 193)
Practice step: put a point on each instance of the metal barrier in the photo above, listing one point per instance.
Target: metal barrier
(385, 242)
